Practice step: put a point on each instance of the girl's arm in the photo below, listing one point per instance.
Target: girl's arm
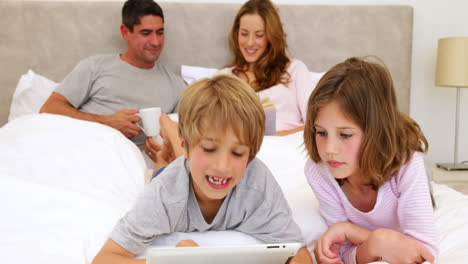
(417, 240)
(415, 212)
(381, 244)
(331, 207)
(393, 247)
(327, 248)
(113, 253)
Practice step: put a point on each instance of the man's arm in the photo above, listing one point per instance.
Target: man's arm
(124, 121)
(113, 253)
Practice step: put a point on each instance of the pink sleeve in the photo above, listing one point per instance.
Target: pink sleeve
(415, 212)
(302, 79)
(331, 207)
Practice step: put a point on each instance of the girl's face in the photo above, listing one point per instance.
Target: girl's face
(252, 38)
(338, 141)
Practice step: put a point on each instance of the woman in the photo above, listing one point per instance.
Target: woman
(258, 43)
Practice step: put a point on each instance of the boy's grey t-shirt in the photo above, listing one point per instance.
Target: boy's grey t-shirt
(105, 85)
(256, 206)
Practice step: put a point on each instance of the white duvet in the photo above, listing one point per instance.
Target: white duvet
(64, 183)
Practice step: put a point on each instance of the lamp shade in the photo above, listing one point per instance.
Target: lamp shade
(452, 62)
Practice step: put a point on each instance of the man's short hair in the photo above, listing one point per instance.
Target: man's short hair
(133, 10)
(218, 103)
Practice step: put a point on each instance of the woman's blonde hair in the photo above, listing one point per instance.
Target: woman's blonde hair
(218, 103)
(271, 67)
(365, 92)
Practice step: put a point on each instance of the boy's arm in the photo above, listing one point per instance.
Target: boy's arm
(302, 256)
(113, 253)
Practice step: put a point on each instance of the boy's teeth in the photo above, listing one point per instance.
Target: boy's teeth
(215, 180)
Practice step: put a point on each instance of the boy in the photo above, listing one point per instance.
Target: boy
(217, 185)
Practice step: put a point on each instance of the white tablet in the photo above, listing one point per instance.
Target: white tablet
(245, 254)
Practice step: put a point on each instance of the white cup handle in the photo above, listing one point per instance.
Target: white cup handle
(138, 124)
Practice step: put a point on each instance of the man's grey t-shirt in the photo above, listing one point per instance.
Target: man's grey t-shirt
(105, 85)
(256, 206)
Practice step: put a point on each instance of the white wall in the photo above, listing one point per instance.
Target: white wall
(432, 107)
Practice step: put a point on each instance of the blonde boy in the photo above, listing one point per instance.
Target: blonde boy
(217, 185)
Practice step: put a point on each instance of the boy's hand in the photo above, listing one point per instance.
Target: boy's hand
(187, 243)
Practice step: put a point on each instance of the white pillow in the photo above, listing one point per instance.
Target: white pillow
(31, 92)
(317, 75)
(193, 73)
(285, 157)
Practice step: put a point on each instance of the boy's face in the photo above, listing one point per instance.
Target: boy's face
(217, 164)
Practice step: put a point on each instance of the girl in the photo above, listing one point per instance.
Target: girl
(366, 168)
(258, 43)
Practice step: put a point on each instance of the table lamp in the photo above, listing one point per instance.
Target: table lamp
(452, 71)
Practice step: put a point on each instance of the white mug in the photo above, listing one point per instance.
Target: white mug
(150, 121)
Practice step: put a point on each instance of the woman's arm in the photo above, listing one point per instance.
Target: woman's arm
(303, 85)
(289, 132)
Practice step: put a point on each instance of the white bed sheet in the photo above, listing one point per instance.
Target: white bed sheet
(64, 183)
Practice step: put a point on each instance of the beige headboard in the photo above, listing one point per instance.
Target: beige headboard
(51, 37)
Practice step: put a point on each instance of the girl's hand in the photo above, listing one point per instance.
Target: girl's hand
(394, 247)
(327, 248)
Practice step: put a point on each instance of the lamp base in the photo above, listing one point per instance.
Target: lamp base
(453, 166)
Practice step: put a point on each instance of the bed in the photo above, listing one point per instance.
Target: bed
(64, 182)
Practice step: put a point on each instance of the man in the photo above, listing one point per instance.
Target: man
(110, 89)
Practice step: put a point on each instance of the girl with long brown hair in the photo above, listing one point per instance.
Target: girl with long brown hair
(366, 168)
